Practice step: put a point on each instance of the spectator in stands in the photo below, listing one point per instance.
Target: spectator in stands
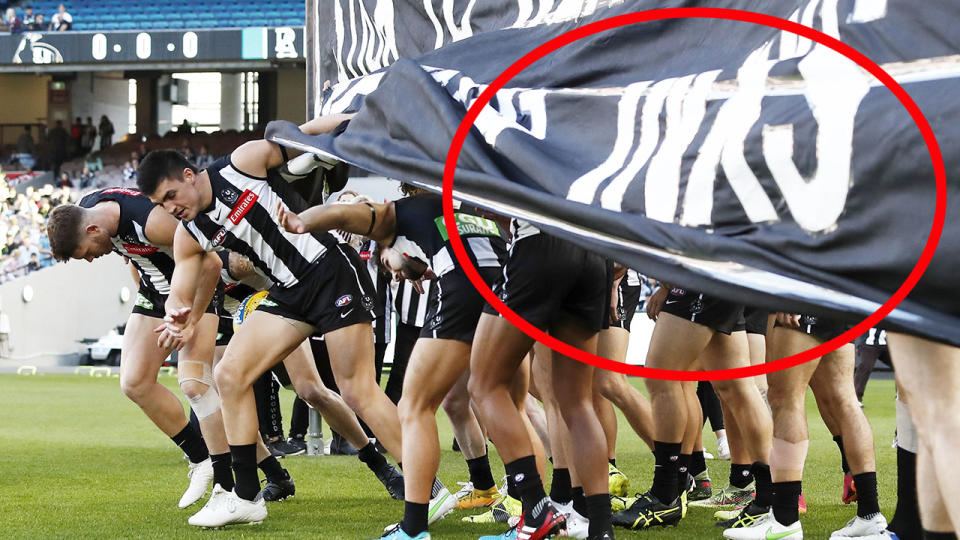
(204, 159)
(88, 135)
(65, 181)
(25, 149)
(57, 137)
(34, 263)
(140, 153)
(76, 129)
(11, 21)
(187, 151)
(39, 25)
(129, 172)
(106, 132)
(185, 127)
(29, 19)
(61, 21)
(87, 178)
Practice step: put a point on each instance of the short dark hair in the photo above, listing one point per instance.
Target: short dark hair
(64, 227)
(161, 165)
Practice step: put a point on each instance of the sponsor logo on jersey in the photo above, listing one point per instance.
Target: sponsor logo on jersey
(246, 202)
(365, 255)
(143, 302)
(230, 196)
(139, 249)
(344, 300)
(219, 237)
(677, 291)
(469, 225)
(125, 191)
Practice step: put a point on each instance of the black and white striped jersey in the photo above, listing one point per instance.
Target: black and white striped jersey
(522, 229)
(411, 306)
(243, 218)
(633, 278)
(381, 325)
(155, 263)
(420, 220)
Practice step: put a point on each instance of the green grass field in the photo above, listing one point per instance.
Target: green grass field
(78, 460)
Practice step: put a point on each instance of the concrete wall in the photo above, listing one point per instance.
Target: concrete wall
(292, 95)
(24, 98)
(98, 93)
(70, 302)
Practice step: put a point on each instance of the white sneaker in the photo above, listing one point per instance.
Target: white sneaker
(874, 528)
(765, 528)
(723, 449)
(441, 506)
(707, 455)
(225, 508)
(201, 476)
(577, 526)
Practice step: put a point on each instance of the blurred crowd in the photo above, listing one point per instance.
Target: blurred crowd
(28, 21)
(23, 218)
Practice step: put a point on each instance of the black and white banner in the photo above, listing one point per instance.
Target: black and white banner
(723, 156)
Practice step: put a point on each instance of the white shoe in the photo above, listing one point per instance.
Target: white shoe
(874, 528)
(765, 528)
(201, 476)
(723, 449)
(577, 526)
(225, 508)
(441, 506)
(707, 455)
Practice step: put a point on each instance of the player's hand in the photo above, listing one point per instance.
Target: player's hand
(790, 320)
(290, 220)
(173, 336)
(655, 302)
(418, 283)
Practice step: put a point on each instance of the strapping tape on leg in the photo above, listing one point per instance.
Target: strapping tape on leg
(207, 403)
(906, 431)
(788, 457)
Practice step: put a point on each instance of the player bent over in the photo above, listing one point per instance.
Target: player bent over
(320, 285)
(441, 355)
(126, 222)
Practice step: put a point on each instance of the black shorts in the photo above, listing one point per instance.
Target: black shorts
(629, 300)
(224, 330)
(718, 315)
(756, 320)
(151, 303)
(454, 306)
(819, 327)
(547, 277)
(336, 292)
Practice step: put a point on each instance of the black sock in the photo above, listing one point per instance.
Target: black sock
(740, 475)
(245, 470)
(682, 471)
(222, 472)
(667, 458)
(761, 473)
(598, 512)
(480, 473)
(560, 489)
(786, 500)
(697, 463)
(930, 535)
(374, 460)
(272, 469)
(867, 504)
(906, 518)
(579, 500)
(843, 455)
(530, 488)
(512, 488)
(190, 441)
(612, 461)
(414, 518)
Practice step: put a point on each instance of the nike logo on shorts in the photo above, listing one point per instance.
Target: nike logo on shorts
(344, 315)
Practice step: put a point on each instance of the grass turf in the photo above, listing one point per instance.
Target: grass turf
(78, 460)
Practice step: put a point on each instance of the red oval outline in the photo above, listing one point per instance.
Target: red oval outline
(473, 112)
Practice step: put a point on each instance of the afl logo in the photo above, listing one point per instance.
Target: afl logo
(219, 237)
(38, 53)
(344, 300)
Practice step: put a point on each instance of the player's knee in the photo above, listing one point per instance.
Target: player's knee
(320, 398)
(136, 388)
(192, 389)
(456, 404)
(227, 377)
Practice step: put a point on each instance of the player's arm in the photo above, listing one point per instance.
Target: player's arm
(377, 222)
(256, 157)
(134, 273)
(192, 288)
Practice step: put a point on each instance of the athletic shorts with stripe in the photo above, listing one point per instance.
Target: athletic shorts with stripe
(547, 277)
(151, 303)
(334, 293)
(629, 300)
(718, 315)
(820, 328)
(454, 305)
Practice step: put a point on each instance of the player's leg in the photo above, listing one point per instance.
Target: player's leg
(613, 344)
(929, 376)
(481, 490)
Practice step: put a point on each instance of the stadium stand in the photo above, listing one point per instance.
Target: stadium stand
(99, 15)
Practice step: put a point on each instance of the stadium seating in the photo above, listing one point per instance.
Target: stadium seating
(97, 15)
